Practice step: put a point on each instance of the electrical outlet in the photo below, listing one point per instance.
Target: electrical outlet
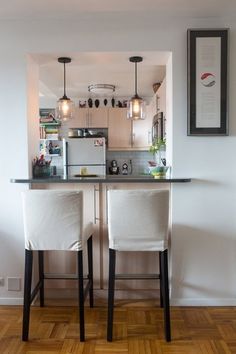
(1, 281)
(13, 284)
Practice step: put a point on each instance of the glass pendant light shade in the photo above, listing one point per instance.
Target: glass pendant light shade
(65, 106)
(136, 108)
(136, 105)
(65, 109)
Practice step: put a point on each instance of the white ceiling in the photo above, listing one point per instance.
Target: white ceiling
(43, 9)
(100, 68)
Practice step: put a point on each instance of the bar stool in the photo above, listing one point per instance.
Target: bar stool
(53, 220)
(138, 221)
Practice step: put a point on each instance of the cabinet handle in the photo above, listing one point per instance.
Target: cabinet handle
(95, 205)
(107, 205)
(149, 137)
(132, 139)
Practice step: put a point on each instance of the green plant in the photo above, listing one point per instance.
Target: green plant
(157, 144)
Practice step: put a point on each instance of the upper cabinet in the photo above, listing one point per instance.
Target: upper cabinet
(119, 129)
(142, 133)
(124, 134)
(89, 118)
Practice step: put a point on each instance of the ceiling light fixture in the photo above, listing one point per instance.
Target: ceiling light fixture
(136, 105)
(65, 106)
(102, 89)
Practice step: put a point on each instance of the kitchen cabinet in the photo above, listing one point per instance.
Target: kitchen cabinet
(119, 129)
(89, 118)
(142, 133)
(124, 134)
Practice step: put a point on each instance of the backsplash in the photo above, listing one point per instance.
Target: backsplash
(137, 161)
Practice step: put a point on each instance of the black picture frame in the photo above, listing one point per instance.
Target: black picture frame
(207, 81)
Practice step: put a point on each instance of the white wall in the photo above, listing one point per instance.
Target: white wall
(204, 226)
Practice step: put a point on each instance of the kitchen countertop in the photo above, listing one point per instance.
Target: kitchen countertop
(100, 179)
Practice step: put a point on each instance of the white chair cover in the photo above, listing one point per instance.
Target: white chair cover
(138, 220)
(53, 220)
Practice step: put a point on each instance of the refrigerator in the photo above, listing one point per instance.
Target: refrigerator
(84, 156)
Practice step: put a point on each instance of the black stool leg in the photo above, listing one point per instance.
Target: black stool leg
(41, 277)
(90, 269)
(111, 286)
(81, 294)
(160, 273)
(27, 294)
(165, 289)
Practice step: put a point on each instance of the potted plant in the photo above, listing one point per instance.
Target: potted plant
(158, 145)
(41, 167)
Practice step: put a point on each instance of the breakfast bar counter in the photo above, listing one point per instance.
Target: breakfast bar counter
(105, 179)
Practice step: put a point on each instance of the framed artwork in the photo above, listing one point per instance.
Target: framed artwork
(207, 81)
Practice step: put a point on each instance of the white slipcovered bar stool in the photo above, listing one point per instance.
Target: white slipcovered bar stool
(138, 221)
(53, 220)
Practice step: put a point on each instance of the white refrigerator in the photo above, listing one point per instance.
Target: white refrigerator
(84, 156)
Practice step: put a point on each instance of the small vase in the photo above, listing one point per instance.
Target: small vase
(96, 102)
(90, 102)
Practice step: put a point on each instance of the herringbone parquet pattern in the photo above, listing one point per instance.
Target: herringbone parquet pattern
(138, 329)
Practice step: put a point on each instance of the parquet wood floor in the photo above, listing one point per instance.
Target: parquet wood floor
(138, 329)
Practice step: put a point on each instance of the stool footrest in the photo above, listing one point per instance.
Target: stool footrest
(136, 276)
(61, 276)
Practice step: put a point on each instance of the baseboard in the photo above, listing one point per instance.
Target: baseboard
(203, 302)
(11, 301)
(101, 294)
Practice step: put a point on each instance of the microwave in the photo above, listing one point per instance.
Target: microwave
(158, 128)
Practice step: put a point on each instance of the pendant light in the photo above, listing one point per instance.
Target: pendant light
(65, 106)
(136, 106)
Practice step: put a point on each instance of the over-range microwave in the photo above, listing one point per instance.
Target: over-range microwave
(158, 126)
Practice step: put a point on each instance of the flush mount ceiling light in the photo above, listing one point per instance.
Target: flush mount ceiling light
(136, 105)
(65, 106)
(102, 89)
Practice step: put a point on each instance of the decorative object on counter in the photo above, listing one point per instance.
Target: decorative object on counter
(90, 102)
(41, 167)
(65, 106)
(125, 169)
(119, 104)
(82, 104)
(159, 171)
(113, 102)
(136, 106)
(207, 82)
(114, 169)
(101, 89)
(105, 102)
(156, 86)
(96, 102)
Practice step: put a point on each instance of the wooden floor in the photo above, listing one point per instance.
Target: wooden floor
(138, 329)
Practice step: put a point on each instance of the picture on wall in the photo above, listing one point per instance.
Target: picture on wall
(207, 81)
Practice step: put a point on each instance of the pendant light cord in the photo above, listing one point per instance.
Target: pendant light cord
(64, 79)
(135, 75)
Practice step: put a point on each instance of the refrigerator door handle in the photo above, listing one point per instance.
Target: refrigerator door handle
(95, 205)
(65, 158)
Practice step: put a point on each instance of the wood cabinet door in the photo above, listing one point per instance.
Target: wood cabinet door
(142, 133)
(80, 119)
(98, 117)
(119, 129)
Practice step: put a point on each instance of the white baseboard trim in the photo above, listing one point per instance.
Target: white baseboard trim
(11, 301)
(125, 295)
(203, 302)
